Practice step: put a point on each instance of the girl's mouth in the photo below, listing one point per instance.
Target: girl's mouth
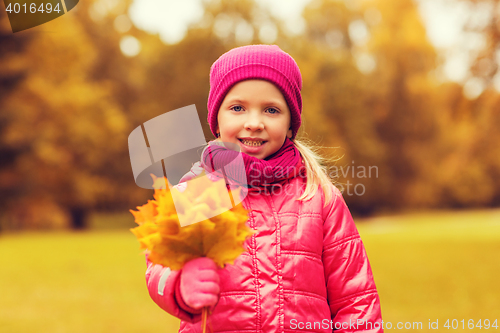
(252, 143)
(251, 146)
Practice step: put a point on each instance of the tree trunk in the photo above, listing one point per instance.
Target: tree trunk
(78, 218)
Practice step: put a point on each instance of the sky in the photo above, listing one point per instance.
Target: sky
(443, 20)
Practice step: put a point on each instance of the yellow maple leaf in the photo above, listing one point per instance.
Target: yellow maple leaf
(220, 237)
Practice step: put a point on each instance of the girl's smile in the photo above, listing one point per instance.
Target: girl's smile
(251, 146)
(254, 115)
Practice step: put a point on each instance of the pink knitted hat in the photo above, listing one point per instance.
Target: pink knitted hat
(267, 62)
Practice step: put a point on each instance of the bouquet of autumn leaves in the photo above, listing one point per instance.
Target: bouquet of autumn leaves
(219, 237)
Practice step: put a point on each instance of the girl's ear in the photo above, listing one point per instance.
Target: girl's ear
(289, 133)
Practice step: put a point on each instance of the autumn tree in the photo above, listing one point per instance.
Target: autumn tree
(471, 168)
(67, 124)
(12, 74)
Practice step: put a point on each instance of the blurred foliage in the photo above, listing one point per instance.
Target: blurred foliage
(485, 28)
(69, 98)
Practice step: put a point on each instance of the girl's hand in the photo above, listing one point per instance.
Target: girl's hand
(199, 285)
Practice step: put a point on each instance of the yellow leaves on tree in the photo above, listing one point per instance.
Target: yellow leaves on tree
(220, 237)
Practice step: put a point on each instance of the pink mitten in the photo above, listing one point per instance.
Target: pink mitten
(199, 283)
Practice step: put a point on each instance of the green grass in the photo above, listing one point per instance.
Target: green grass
(439, 265)
(76, 282)
(436, 265)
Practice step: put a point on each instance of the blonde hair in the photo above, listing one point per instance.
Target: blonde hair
(316, 170)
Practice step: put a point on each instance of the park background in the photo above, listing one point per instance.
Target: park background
(377, 93)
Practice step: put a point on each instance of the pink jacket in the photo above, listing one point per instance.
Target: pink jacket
(306, 270)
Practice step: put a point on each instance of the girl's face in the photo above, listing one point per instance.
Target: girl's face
(254, 115)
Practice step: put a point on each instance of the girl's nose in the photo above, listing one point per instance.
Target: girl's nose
(254, 122)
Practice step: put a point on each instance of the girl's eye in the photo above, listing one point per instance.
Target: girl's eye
(237, 108)
(273, 110)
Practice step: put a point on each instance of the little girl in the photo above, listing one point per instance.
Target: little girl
(305, 268)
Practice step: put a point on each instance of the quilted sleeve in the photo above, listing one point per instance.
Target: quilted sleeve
(163, 287)
(352, 295)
